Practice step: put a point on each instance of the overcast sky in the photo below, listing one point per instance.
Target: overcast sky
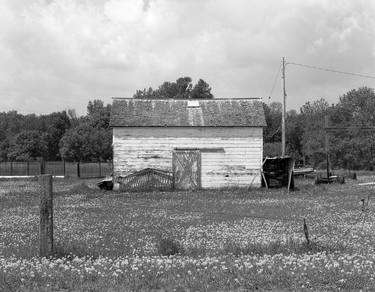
(58, 54)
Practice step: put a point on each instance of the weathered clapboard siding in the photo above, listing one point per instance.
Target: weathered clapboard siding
(136, 148)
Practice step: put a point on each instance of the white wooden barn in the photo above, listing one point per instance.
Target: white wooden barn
(219, 140)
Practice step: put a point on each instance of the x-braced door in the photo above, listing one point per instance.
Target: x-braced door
(187, 169)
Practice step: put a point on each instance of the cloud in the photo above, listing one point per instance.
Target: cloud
(60, 54)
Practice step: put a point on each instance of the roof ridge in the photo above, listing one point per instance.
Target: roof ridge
(174, 99)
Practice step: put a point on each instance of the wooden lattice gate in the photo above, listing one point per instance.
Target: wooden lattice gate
(187, 169)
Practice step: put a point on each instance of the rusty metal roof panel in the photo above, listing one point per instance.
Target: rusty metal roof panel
(184, 113)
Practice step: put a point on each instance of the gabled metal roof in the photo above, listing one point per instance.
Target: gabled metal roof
(185, 113)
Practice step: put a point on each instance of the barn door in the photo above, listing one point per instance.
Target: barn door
(187, 169)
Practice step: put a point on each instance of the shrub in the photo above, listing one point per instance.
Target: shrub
(168, 247)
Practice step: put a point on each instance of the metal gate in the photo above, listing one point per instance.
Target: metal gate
(187, 169)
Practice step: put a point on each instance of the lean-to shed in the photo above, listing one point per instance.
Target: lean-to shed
(206, 143)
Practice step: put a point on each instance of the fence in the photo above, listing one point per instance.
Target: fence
(58, 168)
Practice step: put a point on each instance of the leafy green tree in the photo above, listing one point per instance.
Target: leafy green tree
(181, 89)
(98, 115)
(272, 133)
(56, 126)
(184, 87)
(147, 94)
(272, 149)
(272, 112)
(4, 149)
(293, 135)
(312, 118)
(201, 90)
(28, 145)
(86, 143)
(91, 139)
(354, 149)
(12, 122)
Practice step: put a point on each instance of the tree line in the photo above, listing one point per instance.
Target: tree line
(305, 136)
(57, 136)
(64, 136)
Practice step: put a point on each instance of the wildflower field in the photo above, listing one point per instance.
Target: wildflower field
(201, 241)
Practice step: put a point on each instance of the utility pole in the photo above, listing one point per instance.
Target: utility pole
(326, 120)
(283, 112)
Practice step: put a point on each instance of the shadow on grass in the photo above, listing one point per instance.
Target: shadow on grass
(277, 247)
(70, 251)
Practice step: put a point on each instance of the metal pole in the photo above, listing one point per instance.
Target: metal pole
(283, 114)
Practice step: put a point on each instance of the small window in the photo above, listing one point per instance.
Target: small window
(193, 103)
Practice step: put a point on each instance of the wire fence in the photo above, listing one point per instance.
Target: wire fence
(56, 168)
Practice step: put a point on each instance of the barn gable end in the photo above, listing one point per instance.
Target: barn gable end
(228, 133)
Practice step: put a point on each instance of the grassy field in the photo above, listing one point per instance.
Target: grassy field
(220, 240)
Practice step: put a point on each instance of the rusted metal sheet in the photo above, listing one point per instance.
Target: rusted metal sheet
(278, 172)
(187, 169)
(177, 112)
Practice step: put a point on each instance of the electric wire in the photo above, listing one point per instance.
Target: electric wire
(331, 70)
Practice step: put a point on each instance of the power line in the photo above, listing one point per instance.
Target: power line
(331, 70)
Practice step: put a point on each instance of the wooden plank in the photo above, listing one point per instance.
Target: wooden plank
(186, 169)
(187, 132)
(207, 150)
(163, 145)
(199, 162)
(134, 153)
(187, 138)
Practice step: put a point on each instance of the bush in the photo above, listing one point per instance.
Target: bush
(168, 247)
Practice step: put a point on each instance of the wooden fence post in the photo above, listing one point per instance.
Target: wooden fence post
(78, 170)
(42, 167)
(306, 231)
(100, 169)
(46, 216)
(64, 167)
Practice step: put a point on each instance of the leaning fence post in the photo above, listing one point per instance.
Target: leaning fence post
(46, 216)
(306, 231)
